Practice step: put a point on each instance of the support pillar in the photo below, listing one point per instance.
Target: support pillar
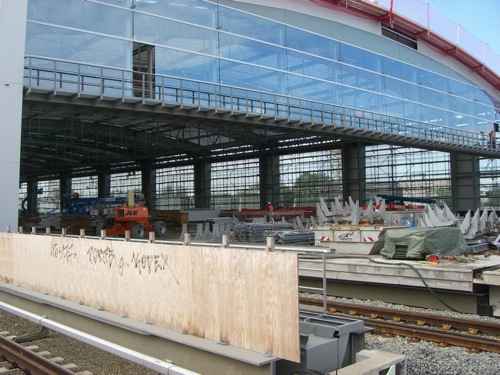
(65, 187)
(12, 42)
(269, 180)
(31, 203)
(103, 185)
(202, 183)
(465, 183)
(354, 172)
(149, 185)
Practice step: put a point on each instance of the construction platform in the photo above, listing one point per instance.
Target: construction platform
(233, 304)
(469, 284)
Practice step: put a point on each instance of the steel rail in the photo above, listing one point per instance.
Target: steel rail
(440, 336)
(29, 361)
(419, 318)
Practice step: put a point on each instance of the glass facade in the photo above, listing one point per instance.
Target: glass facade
(205, 41)
(213, 43)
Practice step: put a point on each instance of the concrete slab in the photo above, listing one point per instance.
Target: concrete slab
(454, 274)
(372, 362)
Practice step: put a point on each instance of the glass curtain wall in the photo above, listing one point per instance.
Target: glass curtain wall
(204, 41)
(209, 42)
(306, 177)
(86, 187)
(235, 184)
(490, 183)
(49, 201)
(392, 170)
(121, 183)
(175, 188)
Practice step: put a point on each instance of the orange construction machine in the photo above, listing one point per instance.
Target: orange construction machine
(133, 218)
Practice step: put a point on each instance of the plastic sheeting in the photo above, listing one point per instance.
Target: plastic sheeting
(416, 243)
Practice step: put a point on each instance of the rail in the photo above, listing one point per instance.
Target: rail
(84, 80)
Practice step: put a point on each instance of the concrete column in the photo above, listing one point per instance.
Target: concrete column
(149, 185)
(65, 187)
(31, 203)
(103, 184)
(12, 42)
(202, 183)
(269, 172)
(354, 172)
(465, 183)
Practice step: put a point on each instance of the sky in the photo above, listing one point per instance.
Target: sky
(481, 18)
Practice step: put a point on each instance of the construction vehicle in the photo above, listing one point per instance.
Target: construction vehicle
(134, 219)
(93, 206)
(131, 217)
(116, 215)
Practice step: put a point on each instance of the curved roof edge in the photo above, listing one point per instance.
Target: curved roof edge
(422, 31)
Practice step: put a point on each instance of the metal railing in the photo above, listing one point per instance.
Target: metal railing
(85, 80)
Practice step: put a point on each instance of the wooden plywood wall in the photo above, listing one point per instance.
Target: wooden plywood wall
(244, 298)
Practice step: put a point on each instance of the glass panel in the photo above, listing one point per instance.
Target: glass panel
(235, 184)
(433, 80)
(23, 194)
(352, 55)
(251, 26)
(392, 67)
(308, 176)
(186, 65)
(250, 51)
(175, 188)
(160, 31)
(393, 87)
(57, 43)
(312, 44)
(82, 15)
(49, 200)
(374, 62)
(252, 77)
(490, 184)
(86, 187)
(121, 183)
(408, 172)
(194, 11)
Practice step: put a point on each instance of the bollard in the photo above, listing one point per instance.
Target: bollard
(270, 243)
(225, 240)
(82, 233)
(187, 239)
(8, 228)
(21, 229)
(127, 235)
(199, 232)
(151, 237)
(184, 231)
(103, 234)
(63, 232)
(47, 231)
(33, 230)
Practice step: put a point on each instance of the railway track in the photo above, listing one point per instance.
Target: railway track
(476, 335)
(27, 360)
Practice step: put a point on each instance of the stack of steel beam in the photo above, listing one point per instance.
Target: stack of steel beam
(255, 232)
(291, 237)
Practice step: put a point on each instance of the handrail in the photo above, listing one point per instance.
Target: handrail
(125, 84)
